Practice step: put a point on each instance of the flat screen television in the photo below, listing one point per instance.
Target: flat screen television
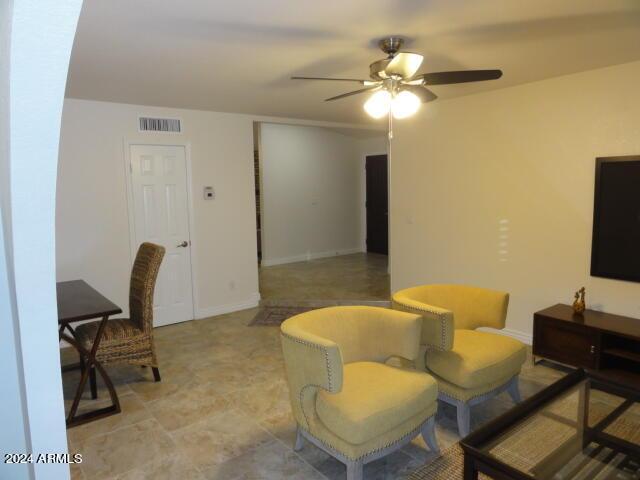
(615, 249)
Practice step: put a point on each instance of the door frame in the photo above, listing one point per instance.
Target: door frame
(364, 203)
(158, 142)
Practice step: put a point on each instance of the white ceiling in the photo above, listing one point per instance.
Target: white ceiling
(238, 56)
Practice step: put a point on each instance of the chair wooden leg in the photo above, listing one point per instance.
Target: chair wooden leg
(514, 390)
(429, 435)
(463, 412)
(354, 470)
(156, 373)
(92, 382)
(299, 443)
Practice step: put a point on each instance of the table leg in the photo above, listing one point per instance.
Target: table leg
(92, 383)
(72, 366)
(90, 363)
(470, 472)
(583, 413)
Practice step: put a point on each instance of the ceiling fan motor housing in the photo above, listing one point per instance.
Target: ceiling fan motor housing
(391, 45)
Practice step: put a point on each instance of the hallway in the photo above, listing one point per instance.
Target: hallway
(359, 276)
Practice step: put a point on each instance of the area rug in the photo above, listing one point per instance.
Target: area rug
(448, 466)
(274, 316)
(273, 313)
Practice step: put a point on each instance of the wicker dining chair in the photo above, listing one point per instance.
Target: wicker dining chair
(130, 340)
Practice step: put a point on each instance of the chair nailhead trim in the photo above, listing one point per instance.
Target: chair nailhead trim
(329, 377)
(314, 345)
(411, 434)
(440, 315)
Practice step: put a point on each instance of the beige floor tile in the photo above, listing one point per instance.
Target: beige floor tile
(175, 331)
(133, 446)
(418, 449)
(172, 467)
(262, 401)
(174, 379)
(219, 438)
(359, 276)
(194, 360)
(272, 461)
(395, 466)
(231, 375)
(244, 343)
(197, 340)
(190, 404)
(76, 472)
(282, 426)
(70, 382)
(133, 411)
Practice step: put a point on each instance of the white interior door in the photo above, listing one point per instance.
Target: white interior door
(161, 216)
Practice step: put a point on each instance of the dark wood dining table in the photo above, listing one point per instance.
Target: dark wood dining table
(77, 301)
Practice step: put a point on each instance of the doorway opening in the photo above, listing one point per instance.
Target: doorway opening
(312, 218)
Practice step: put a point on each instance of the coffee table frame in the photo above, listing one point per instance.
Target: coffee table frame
(476, 460)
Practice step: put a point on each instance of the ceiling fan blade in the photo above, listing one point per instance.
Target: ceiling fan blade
(356, 92)
(361, 82)
(376, 69)
(464, 76)
(404, 64)
(422, 92)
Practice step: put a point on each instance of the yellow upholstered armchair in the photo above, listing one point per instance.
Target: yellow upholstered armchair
(470, 366)
(345, 399)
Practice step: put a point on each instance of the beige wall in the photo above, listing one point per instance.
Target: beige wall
(92, 229)
(496, 189)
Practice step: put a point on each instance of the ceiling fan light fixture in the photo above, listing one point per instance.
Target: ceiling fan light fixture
(397, 87)
(405, 104)
(378, 104)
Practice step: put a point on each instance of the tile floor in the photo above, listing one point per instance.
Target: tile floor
(222, 412)
(360, 276)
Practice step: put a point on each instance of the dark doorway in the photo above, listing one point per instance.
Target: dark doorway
(377, 204)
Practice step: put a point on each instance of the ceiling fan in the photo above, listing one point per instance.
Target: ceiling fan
(397, 90)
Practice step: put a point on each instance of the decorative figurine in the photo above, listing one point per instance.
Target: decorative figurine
(579, 303)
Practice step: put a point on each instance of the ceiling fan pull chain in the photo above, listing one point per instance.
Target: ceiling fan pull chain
(390, 125)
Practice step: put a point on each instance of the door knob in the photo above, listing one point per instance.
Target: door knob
(184, 244)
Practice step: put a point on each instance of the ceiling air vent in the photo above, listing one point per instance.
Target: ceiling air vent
(166, 125)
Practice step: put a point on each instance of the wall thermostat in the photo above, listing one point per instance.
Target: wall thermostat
(209, 194)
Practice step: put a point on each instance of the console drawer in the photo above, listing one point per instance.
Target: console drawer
(564, 342)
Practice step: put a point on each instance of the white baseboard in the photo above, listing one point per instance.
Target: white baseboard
(525, 338)
(251, 302)
(309, 256)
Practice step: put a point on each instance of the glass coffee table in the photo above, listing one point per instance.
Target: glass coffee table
(581, 427)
